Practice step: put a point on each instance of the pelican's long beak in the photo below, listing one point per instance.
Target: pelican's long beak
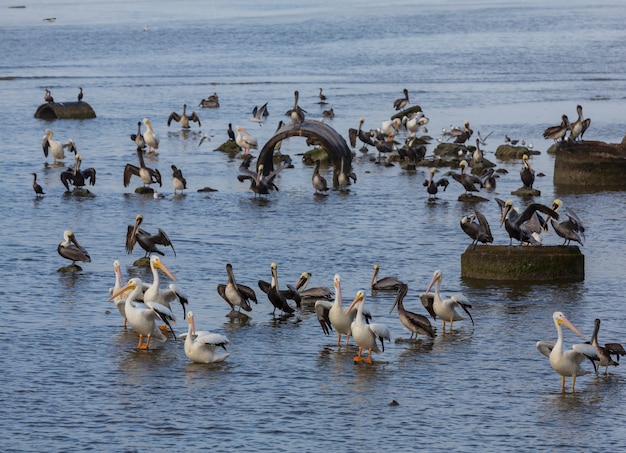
(505, 212)
(569, 325)
(159, 265)
(301, 281)
(432, 282)
(395, 302)
(128, 286)
(359, 298)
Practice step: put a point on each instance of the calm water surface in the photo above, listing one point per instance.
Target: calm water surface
(72, 376)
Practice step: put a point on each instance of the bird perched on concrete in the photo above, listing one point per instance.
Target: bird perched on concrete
(476, 226)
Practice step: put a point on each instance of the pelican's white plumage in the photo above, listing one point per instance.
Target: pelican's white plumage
(159, 295)
(445, 309)
(150, 137)
(366, 336)
(143, 317)
(565, 363)
(331, 315)
(202, 346)
(245, 140)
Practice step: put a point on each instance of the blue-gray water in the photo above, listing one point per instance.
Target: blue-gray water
(72, 378)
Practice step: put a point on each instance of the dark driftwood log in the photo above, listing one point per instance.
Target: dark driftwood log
(65, 110)
(524, 264)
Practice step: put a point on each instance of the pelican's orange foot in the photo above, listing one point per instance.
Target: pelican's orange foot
(358, 358)
(163, 328)
(368, 360)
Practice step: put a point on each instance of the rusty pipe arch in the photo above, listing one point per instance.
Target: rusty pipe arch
(324, 136)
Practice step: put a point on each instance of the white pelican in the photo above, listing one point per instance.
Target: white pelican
(234, 294)
(201, 345)
(385, 283)
(365, 335)
(178, 180)
(413, 123)
(245, 140)
(147, 241)
(445, 309)
(163, 296)
(72, 250)
(184, 119)
(565, 363)
(148, 175)
(331, 315)
(150, 137)
(143, 317)
(390, 128)
(55, 147)
(319, 182)
(120, 299)
(417, 324)
(36, 187)
(600, 355)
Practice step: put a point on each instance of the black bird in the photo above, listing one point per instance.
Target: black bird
(432, 187)
(401, 103)
(184, 119)
(468, 181)
(77, 177)
(364, 137)
(322, 98)
(527, 174)
(476, 226)
(319, 182)
(36, 187)
(48, 96)
(231, 133)
(80, 94)
(489, 179)
(275, 296)
(179, 181)
(460, 135)
(146, 241)
(72, 250)
(138, 138)
(296, 113)
(567, 229)
(557, 133)
(148, 175)
(525, 226)
(417, 324)
(259, 183)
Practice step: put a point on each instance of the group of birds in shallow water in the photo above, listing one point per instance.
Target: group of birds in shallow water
(147, 307)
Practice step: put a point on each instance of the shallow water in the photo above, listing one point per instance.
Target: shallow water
(73, 378)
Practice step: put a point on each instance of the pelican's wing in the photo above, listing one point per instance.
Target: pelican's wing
(130, 239)
(221, 290)
(428, 299)
(587, 350)
(213, 339)
(179, 294)
(545, 347)
(482, 220)
(293, 294)
(615, 348)
(164, 314)
(382, 333)
(247, 292)
(264, 286)
(464, 303)
(322, 310)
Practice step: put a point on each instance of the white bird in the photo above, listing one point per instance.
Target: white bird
(366, 335)
(150, 137)
(202, 346)
(331, 315)
(390, 128)
(445, 309)
(55, 147)
(565, 363)
(245, 141)
(413, 123)
(120, 300)
(143, 317)
(163, 296)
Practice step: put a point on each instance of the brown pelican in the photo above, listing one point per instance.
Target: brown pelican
(259, 183)
(567, 229)
(557, 133)
(319, 182)
(36, 187)
(70, 249)
(385, 283)
(202, 346)
(478, 231)
(460, 135)
(469, 182)
(330, 113)
(364, 137)
(275, 296)
(55, 147)
(291, 293)
(445, 309)
(527, 173)
(146, 241)
(78, 177)
(138, 138)
(148, 175)
(600, 355)
(150, 137)
(525, 226)
(80, 94)
(259, 114)
(401, 103)
(143, 317)
(366, 335)
(565, 363)
(236, 295)
(432, 186)
(586, 124)
(184, 119)
(417, 324)
(489, 179)
(331, 315)
(47, 96)
(212, 102)
(296, 113)
(317, 293)
(179, 181)
(322, 98)
(343, 178)
(245, 141)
